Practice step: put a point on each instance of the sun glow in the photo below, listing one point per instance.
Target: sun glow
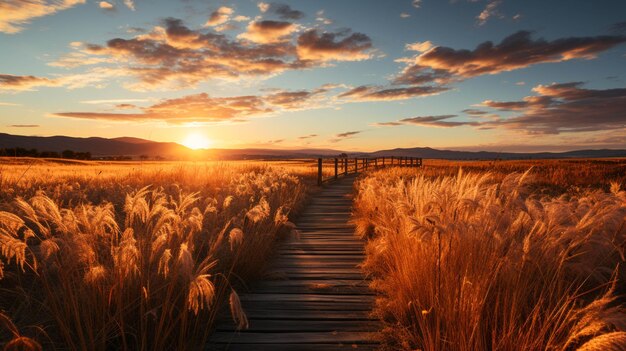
(197, 141)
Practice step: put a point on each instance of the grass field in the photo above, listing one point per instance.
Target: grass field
(472, 255)
(135, 255)
(498, 256)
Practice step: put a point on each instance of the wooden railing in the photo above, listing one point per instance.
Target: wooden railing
(329, 169)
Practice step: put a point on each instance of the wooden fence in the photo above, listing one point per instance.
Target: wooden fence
(329, 169)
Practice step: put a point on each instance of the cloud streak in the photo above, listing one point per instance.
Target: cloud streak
(564, 108)
(519, 50)
(203, 108)
(15, 14)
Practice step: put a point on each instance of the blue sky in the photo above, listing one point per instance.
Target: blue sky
(330, 74)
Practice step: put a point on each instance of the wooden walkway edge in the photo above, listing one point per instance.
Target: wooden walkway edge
(317, 299)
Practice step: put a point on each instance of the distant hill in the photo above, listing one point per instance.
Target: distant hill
(129, 146)
(426, 152)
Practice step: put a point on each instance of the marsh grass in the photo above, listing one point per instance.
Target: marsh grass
(101, 260)
(479, 261)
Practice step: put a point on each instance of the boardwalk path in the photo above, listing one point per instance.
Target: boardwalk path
(318, 298)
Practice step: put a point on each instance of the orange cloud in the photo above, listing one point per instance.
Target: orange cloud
(268, 32)
(220, 16)
(14, 14)
(203, 108)
(22, 83)
(106, 6)
(173, 56)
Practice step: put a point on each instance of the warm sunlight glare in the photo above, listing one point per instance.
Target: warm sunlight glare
(197, 141)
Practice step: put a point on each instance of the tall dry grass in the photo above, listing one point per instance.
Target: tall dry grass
(109, 263)
(474, 261)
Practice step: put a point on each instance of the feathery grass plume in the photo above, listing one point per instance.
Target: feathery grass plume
(126, 255)
(614, 341)
(95, 274)
(235, 238)
(259, 212)
(185, 261)
(236, 311)
(201, 289)
(164, 263)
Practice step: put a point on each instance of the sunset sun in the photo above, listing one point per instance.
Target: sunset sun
(197, 141)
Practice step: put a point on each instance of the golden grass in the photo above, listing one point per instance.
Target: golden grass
(482, 261)
(140, 256)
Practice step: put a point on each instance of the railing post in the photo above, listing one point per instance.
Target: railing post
(356, 165)
(336, 168)
(375, 163)
(411, 161)
(383, 161)
(319, 171)
(345, 166)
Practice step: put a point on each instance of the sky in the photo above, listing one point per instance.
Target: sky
(497, 75)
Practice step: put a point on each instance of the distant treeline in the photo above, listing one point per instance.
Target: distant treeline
(69, 154)
(23, 152)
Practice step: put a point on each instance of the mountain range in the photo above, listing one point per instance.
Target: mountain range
(129, 146)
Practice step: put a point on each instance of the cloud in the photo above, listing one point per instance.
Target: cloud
(174, 56)
(328, 46)
(404, 15)
(346, 135)
(565, 108)
(11, 82)
(203, 108)
(491, 10)
(419, 46)
(219, 16)
(416, 3)
(76, 59)
(112, 101)
(130, 4)
(8, 104)
(376, 93)
(519, 50)
(263, 7)
(268, 32)
(126, 106)
(295, 100)
(307, 136)
(284, 11)
(106, 6)
(440, 121)
(24, 125)
(15, 14)
(474, 112)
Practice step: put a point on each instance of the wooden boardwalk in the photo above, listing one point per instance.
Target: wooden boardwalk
(317, 298)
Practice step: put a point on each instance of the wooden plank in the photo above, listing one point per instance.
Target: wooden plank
(301, 338)
(308, 315)
(263, 325)
(341, 299)
(294, 347)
